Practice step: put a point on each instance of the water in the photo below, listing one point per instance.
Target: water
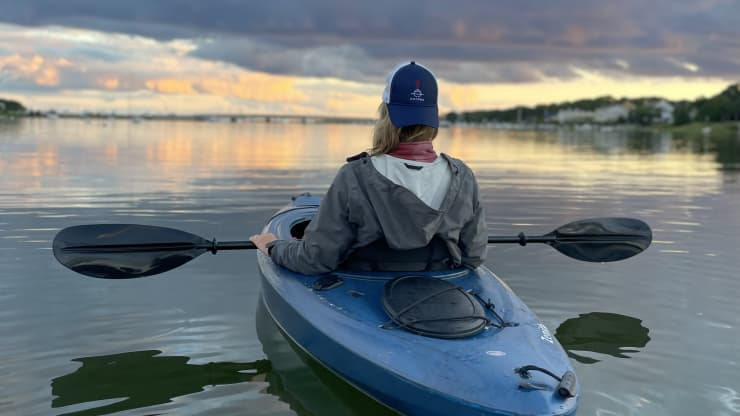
(652, 335)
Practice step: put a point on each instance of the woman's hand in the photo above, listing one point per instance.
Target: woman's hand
(262, 240)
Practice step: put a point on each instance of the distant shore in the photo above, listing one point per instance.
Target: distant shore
(694, 128)
(691, 129)
(217, 118)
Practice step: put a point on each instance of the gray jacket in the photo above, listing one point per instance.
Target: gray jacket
(363, 206)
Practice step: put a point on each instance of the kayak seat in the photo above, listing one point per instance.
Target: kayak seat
(432, 307)
(379, 257)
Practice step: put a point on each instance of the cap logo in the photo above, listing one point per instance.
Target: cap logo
(417, 95)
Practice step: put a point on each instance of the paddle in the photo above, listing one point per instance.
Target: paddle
(125, 251)
(595, 239)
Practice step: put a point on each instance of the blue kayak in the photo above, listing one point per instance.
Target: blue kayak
(453, 342)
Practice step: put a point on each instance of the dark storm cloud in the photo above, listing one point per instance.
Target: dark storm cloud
(464, 40)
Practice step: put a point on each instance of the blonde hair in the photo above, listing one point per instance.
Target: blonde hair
(386, 136)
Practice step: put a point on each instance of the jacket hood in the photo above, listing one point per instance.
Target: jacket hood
(418, 222)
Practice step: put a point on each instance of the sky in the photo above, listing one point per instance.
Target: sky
(331, 57)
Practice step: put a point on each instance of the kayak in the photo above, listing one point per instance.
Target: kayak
(451, 342)
(448, 342)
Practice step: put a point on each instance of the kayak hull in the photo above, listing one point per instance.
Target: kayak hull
(346, 329)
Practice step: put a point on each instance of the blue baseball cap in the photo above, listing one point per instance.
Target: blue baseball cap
(411, 96)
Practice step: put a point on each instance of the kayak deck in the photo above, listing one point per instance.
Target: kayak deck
(339, 320)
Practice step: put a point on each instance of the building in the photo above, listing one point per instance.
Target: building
(666, 112)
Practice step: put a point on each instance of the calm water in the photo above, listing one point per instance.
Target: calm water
(653, 335)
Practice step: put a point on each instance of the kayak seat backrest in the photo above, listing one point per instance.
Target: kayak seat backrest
(432, 307)
(379, 257)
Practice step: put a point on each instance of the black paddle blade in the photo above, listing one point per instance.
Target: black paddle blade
(125, 251)
(602, 239)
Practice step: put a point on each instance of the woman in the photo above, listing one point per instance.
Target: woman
(401, 207)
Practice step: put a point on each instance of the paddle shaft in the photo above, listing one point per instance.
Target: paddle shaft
(214, 246)
(235, 245)
(521, 239)
(247, 245)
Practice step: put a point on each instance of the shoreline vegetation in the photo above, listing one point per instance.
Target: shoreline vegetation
(10, 108)
(720, 113)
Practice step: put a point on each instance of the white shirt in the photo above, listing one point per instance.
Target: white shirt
(429, 181)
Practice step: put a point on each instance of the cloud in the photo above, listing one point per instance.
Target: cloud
(343, 61)
(515, 41)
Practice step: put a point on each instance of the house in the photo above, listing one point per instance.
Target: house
(666, 112)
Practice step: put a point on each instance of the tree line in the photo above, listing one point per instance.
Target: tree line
(10, 106)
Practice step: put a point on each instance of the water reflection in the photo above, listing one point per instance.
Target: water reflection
(131, 380)
(144, 378)
(604, 333)
(308, 387)
(727, 151)
(725, 148)
(182, 155)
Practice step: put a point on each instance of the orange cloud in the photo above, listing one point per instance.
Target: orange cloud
(47, 77)
(171, 86)
(35, 68)
(248, 86)
(109, 83)
(28, 65)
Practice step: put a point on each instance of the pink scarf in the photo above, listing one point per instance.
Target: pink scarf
(417, 151)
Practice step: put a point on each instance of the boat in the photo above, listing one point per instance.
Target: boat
(451, 342)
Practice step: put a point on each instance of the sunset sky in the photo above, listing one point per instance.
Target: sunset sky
(331, 57)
